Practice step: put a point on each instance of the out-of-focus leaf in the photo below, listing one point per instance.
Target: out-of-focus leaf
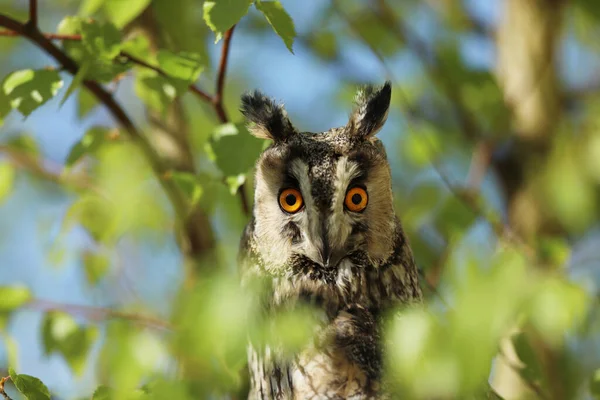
(573, 201)
(234, 182)
(95, 266)
(28, 89)
(532, 370)
(89, 143)
(234, 150)
(89, 7)
(95, 214)
(30, 387)
(189, 185)
(595, 384)
(422, 145)
(5, 108)
(280, 20)
(7, 179)
(122, 12)
(558, 307)
(86, 102)
(61, 334)
(138, 46)
(25, 144)
(324, 44)
(13, 297)
(454, 217)
(554, 250)
(220, 15)
(184, 66)
(423, 203)
(76, 82)
(372, 31)
(157, 92)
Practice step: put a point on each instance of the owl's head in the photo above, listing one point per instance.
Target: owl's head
(322, 197)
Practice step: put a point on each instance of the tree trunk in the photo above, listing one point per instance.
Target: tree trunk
(528, 39)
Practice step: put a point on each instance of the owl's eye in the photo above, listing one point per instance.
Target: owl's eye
(356, 199)
(290, 200)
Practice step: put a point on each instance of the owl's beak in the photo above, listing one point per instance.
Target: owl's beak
(331, 258)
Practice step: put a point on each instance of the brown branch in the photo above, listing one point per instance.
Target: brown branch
(217, 101)
(110, 103)
(2, 391)
(97, 314)
(33, 15)
(218, 98)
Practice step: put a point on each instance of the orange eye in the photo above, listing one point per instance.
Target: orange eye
(290, 200)
(356, 199)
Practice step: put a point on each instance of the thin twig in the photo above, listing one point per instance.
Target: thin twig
(97, 314)
(46, 169)
(2, 391)
(218, 98)
(51, 36)
(217, 102)
(33, 14)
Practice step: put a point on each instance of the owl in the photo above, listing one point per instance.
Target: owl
(324, 231)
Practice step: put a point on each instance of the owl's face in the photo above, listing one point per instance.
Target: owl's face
(321, 198)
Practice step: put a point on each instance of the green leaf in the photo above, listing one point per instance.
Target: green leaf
(30, 387)
(122, 12)
(595, 384)
(77, 79)
(89, 7)
(532, 371)
(86, 102)
(101, 39)
(61, 334)
(89, 143)
(103, 393)
(7, 179)
(28, 89)
(157, 92)
(13, 297)
(454, 217)
(220, 15)
(189, 185)
(138, 46)
(5, 108)
(95, 266)
(234, 182)
(95, 214)
(184, 66)
(282, 23)
(24, 144)
(234, 150)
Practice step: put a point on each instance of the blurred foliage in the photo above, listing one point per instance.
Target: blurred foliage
(485, 284)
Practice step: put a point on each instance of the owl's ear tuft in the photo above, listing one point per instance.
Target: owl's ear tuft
(371, 110)
(267, 119)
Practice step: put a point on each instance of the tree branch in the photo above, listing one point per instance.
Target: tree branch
(97, 314)
(216, 101)
(33, 15)
(110, 103)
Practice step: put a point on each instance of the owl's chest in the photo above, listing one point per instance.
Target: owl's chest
(312, 374)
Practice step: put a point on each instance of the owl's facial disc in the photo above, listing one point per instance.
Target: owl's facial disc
(319, 203)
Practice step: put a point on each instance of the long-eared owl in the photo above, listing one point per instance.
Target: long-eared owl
(323, 229)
